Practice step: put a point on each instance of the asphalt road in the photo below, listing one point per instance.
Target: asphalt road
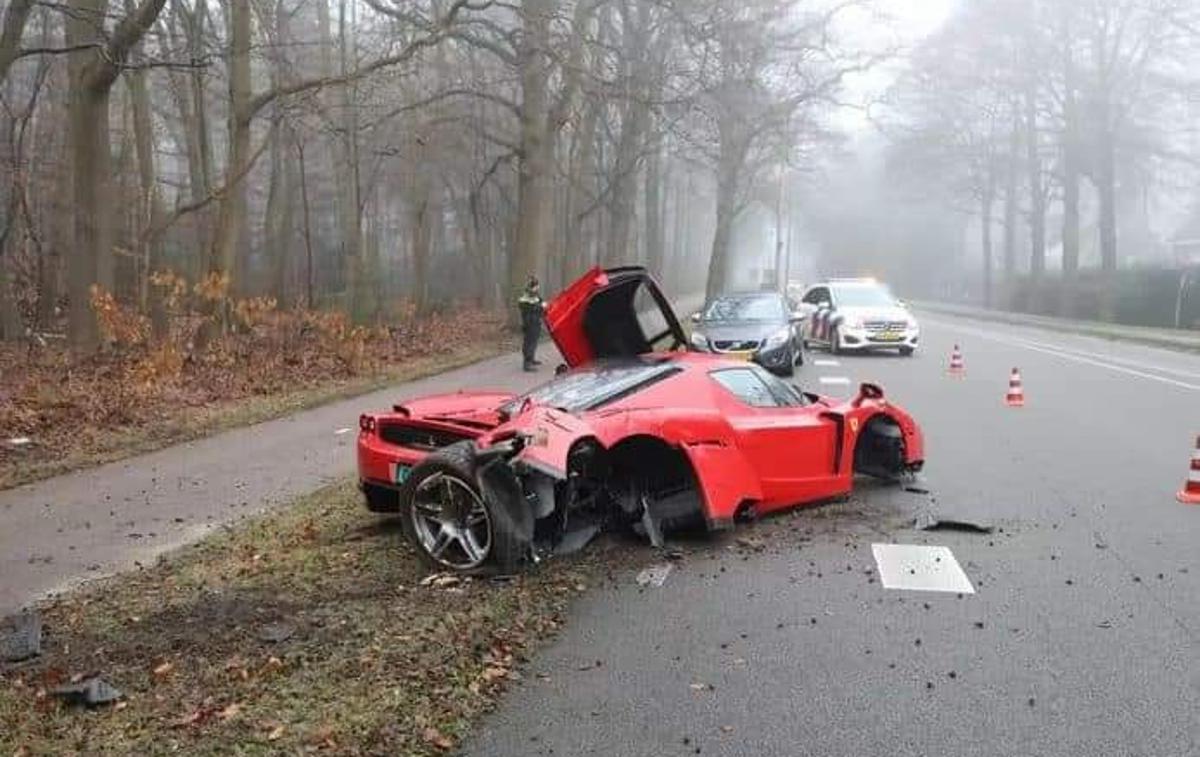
(1083, 636)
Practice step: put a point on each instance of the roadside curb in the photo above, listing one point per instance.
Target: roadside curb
(1180, 341)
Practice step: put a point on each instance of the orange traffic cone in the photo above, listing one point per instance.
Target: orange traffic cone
(1190, 493)
(1016, 394)
(956, 363)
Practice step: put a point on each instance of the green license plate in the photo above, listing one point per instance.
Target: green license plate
(400, 473)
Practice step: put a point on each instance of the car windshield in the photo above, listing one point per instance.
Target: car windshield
(759, 308)
(594, 386)
(864, 297)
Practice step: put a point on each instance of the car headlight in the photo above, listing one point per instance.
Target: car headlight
(912, 324)
(699, 341)
(778, 339)
(854, 322)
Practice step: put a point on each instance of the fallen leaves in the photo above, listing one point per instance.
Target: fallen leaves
(436, 738)
(154, 388)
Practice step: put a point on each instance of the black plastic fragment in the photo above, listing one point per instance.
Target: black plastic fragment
(930, 522)
(21, 637)
(92, 692)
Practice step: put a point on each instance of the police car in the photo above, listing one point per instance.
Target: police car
(857, 314)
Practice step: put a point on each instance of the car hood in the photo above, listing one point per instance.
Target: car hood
(894, 313)
(739, 330)
(601, 315)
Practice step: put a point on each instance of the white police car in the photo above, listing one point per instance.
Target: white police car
(857, 314)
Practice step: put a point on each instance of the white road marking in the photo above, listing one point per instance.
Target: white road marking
(341, 431)
(20, 441)
(827, 363)
(915, 567)
(1078, 357)
(840, 380)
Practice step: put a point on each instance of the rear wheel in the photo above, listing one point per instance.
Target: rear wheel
(906, 351)
(449, 520)
(835, 341)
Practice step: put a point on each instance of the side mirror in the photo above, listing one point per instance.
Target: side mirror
(695, 317)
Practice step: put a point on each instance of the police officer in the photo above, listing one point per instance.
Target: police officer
(531, 306)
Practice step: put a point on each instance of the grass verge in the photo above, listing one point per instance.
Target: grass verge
(106, 445)
(375, 662)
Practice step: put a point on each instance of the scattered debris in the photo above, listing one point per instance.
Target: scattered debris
(91, 692)
(927, 521)
(21, 637)
(19, 441)
(341, 431)
(751, 542)
(441, 580)
(274, 633)
(655, 575)
(1104, 624)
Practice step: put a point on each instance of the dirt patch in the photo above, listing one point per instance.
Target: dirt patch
(305, 629)
(58, 413)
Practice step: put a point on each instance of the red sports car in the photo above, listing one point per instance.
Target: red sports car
(638, 432)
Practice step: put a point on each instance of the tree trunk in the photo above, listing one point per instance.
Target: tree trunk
(655, 242)
(580, 189)
(277, 224)
(1037, 196)
(421, 224)
(90, 261)
(1106, 190)
(231, 217)
(349, 198)
(534, 183)
(1010, 203)
(985, 241)
(149, 207)
(308, 248)
(15, 17)
(728, 170)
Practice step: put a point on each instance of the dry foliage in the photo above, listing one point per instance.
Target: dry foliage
(147, 377)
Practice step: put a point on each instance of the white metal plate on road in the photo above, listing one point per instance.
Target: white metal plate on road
(826, 363)
(839, 380)
(919, 568)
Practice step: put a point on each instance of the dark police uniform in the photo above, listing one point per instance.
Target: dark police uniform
(531, 306)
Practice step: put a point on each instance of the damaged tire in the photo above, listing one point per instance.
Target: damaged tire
(452, 523)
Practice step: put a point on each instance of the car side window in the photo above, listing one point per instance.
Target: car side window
(817, 296)
(744, 384)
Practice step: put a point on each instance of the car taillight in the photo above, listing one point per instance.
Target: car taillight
(366, 423)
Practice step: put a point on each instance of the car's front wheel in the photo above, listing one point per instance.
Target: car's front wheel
(835, 341)
(906, 351)
(450, 521)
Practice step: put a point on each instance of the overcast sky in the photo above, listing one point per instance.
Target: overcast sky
(890, 24)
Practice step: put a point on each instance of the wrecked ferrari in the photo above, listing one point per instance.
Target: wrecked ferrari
(637, 433)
